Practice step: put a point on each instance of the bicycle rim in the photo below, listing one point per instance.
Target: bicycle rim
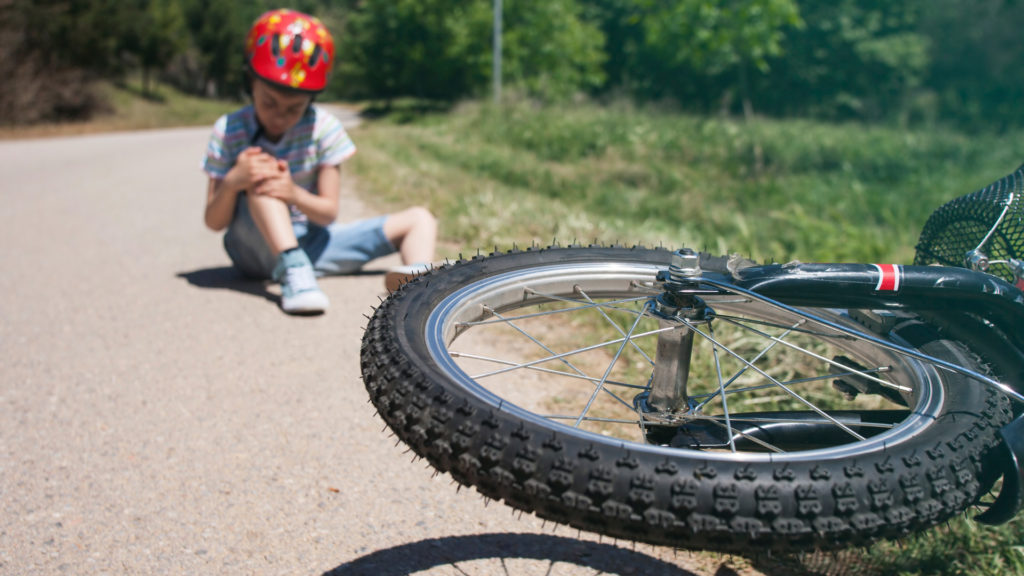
(572, 347)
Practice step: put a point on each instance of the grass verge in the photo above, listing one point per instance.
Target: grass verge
(132, 109)
(771, 189)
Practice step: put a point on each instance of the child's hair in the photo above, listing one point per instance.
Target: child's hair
(249, 78)
(289, 50)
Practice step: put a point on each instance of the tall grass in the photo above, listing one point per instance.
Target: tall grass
(770, 189)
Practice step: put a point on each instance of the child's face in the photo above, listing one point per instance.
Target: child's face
(277, 110)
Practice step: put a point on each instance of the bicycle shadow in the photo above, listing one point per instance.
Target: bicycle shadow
(510, 548)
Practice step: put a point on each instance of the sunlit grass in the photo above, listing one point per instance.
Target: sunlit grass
(522, 174)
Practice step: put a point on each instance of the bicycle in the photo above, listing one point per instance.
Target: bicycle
(697, 401)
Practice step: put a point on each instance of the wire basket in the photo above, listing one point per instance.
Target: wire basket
(982, 230)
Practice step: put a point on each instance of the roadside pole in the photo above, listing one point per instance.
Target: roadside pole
(496, 65)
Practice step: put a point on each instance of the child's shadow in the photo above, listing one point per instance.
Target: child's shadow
(228, 278)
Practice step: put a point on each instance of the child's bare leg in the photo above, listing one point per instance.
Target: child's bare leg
(414, 232)
(300, 293)
(274, 222)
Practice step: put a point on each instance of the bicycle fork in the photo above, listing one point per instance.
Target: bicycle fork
(677, 309)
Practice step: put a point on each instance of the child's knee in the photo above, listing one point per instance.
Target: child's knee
(422, 215)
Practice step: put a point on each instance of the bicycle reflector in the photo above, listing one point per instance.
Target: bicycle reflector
(983, 230)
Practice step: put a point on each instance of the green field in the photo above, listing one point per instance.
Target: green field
(771, 189)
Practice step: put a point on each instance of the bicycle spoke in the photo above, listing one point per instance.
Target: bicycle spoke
(598, 346)
(579, 373)
(807, 331)
(543, 346)
(744, 369)
(822, 358)
(765, 420)
(607, 305)
(615, 325)
(733, 432)
(611, 365)
(779, 384)
(455, 354)
(610, 304)
(590, 379)
(592, 419)
(794, 382)
(721, 388)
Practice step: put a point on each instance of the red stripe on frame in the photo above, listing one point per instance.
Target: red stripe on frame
(888, 277)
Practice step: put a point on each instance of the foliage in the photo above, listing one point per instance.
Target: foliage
(48, 64)
(425, 48)
(715, 36)
(549, 50)
(442, 48)
(859, 58)
(975, 70)
(217, 28)
(908, 61)
(164, 36)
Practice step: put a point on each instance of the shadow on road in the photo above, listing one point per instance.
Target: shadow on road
(457, 551)
(228, 278)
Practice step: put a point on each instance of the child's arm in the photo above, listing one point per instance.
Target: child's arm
(220, 204)
(221, 194)
(321, 208)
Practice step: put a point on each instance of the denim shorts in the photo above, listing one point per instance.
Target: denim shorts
(335, 249)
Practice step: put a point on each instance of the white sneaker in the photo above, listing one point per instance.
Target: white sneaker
(396, 277)
(300, 293)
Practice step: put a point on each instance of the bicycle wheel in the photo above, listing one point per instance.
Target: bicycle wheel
(528, 375)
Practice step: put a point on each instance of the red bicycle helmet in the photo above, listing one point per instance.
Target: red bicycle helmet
(290, 49)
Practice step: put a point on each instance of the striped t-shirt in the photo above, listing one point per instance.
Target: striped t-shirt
(318, 139)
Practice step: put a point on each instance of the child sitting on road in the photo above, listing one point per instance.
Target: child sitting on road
(274, 175)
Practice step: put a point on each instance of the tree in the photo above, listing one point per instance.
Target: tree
(217, 31)
(163, 36)
(441, 48)
(410, 47)
(720, 37)
(54, 51)
(976, 57)
(550, 50)
(853, 59)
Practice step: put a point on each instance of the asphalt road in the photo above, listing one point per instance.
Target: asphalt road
(159, 415)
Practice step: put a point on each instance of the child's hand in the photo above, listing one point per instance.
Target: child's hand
(278, 184)
(254, 166)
